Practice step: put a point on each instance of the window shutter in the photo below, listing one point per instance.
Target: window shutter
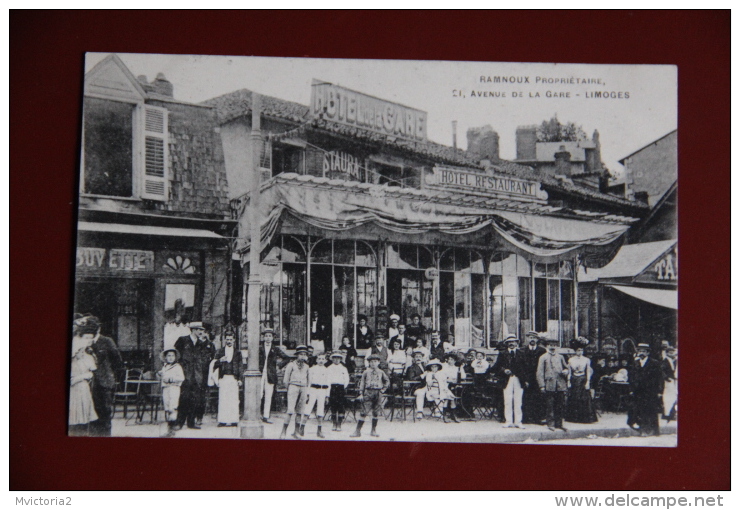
(154, 180)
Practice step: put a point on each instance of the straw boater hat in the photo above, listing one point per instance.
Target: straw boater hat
(196, 325)
(511, 338)
(301, 349)
(433, 363)
(268, 330)
(395, 317)
(643, 345)
(163, 355)
(417, 351)
(337, 354)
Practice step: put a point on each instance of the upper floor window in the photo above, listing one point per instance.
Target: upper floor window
(124, 150)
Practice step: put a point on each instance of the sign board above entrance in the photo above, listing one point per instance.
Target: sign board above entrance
(347, 107)
(457, 179)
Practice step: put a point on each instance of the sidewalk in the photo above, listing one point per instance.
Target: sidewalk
(609, 425)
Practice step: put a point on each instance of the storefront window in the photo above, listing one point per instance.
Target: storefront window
(364, 255)
(553, 300)
(321, 252)
(344, 307)
(344, 252)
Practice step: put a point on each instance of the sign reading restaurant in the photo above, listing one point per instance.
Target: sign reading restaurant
(446, 177)
(355, 109)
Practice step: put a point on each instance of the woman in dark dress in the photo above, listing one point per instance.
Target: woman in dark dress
(363, 333)
(580, 407)
(349, 355)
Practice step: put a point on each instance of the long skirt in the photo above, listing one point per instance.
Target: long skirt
(81, 408)
(228, 400)
(580, 408)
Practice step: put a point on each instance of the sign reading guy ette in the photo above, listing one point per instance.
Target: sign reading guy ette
(355, 109)
(451, 178)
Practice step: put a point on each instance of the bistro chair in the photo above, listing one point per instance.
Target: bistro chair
(128, 391)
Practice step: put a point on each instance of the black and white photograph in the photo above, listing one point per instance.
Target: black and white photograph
(376, 250)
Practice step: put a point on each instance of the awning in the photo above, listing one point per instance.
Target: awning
(660, 297)
(147, 230)
(630, 261)
(337, 206)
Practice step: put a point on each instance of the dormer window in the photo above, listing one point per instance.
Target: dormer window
(124, 150)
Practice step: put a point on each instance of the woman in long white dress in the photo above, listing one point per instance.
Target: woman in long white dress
(81, 407)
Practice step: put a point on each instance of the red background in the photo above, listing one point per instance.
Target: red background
(46, 70)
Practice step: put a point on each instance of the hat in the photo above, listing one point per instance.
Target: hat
(433, 363)
(551, 341)
(196, 325)
(268, 330)
(435, 333)
(511, 338)
(163, 354)
(416, 351)
(85, 324)
(395, 317)
(301, 349)
(373, 356)
(643, 345)
(337, 354)
(533, 333)
(380, 334)
(361, 317)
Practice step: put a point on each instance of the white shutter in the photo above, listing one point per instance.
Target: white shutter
(154, 178)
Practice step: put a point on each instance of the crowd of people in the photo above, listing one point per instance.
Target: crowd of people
(534, 384)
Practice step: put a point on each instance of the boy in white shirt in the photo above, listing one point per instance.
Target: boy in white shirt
(318, 392)
(338, 379)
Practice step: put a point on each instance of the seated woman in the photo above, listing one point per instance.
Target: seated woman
(580, 407)
(349, 354)
(438, 389)
(421, 346)
(451, 369)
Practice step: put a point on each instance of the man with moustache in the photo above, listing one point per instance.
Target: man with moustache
(533, 405)
(646, 387)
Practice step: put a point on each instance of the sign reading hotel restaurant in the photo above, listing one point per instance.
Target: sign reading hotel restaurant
(341, 162)
(452, 178)
(355, 109)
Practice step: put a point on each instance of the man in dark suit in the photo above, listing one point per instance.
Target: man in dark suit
(380, 350)
(436, 349)
(196, 353)
(416, 374)
(272, 358)
(320, 333)
(646, 387)
(533, 405)
(510, 367)
(108, 361)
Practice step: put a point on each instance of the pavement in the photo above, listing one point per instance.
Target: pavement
(609, 426)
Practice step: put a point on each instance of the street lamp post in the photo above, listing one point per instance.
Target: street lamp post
(251, 426)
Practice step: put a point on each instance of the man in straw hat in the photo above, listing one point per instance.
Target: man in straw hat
(646, 387)
(510, 367)
(552, 378)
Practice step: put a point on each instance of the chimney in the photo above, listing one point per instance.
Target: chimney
(454, 134)
(526, 143)
(162, 86)
(483, 143)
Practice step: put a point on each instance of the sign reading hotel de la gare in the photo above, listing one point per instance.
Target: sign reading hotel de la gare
(355, 109)
(453, 178)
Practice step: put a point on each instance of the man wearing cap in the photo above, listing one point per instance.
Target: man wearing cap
(552, 378)
(108, 361)
(296, 382)
(416, 374)
(533, 405)
(511, 369)
(381, 351)
(270, 360)
(646, 386)
(195, 357)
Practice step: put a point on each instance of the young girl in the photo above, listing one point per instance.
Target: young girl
(81, 408)
(172, 378)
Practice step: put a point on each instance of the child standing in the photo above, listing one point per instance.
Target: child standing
(338, 379)
(296, 381)
(373, 383)
(318, 392)
(172, 378)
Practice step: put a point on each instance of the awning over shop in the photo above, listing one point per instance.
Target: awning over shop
(660, 297)
(629, 262)
(120, 228)
(339, 206)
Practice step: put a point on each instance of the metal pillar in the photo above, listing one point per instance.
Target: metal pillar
(251, 426)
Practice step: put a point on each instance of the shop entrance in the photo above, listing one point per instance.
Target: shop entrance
(409, 293)
(124, 307)
(321, 301)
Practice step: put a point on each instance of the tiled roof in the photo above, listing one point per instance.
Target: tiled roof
(237, 104)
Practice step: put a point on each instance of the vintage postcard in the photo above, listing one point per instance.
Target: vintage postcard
(283, 248)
